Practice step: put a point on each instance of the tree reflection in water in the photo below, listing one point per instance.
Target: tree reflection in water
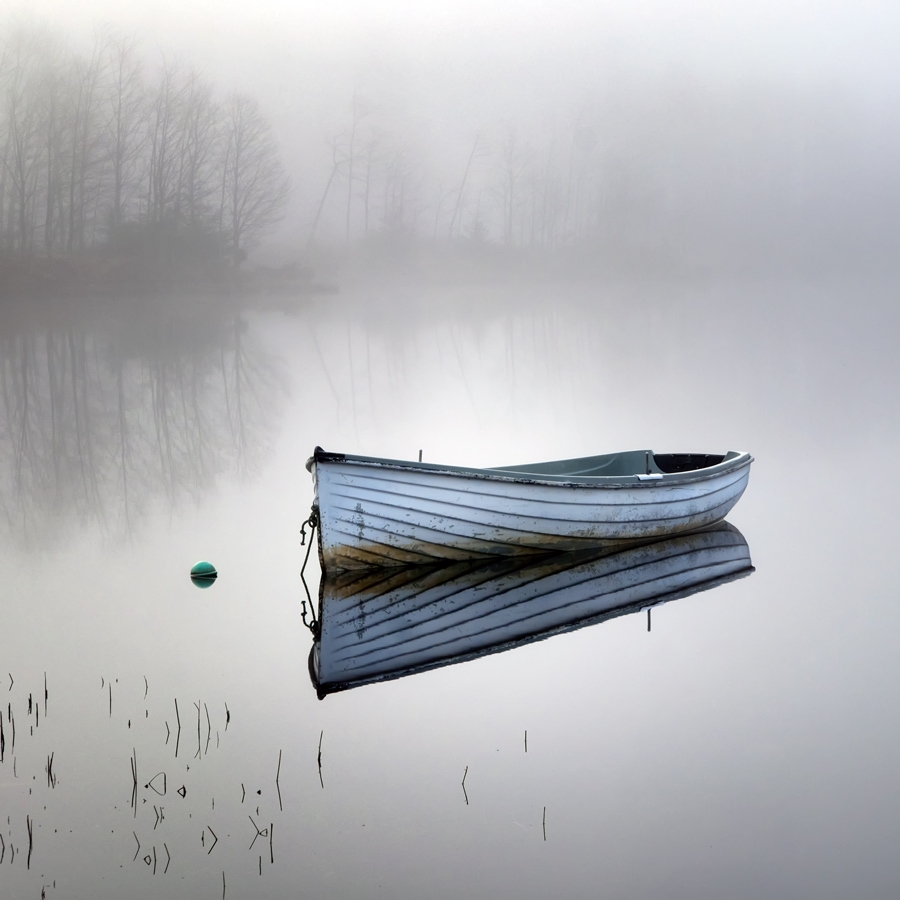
(97, 424)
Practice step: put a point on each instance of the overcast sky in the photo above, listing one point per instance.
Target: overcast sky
(806, 40)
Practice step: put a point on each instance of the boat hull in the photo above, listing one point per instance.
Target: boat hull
(381, 513)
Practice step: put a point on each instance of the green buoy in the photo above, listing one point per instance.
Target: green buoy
(203, 574)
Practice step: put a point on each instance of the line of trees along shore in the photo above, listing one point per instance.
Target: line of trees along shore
(135, 171)
(658, 175)
(98, 149)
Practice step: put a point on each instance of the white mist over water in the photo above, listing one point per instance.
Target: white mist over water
(727, 280)
(745, 727)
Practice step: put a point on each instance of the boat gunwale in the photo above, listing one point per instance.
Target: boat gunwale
(742, 460)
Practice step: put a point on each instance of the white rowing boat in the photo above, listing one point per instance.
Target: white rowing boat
(382, 623)
(385, 512)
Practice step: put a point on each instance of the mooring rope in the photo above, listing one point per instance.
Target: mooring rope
(313, 523)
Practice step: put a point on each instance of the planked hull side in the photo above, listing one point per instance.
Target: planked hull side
(375, 627)
(373, 515)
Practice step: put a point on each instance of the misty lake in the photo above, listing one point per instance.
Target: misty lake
(163, 741)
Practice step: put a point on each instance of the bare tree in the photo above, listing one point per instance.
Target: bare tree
(371, 159)
(83, 139)
(582, 170)
(125, 116)
(200, 133)
(165, 122)
(398, 174)
(23, 151)
(442, 195)
(510, 169)
(49, 101)
(359, 112)
(455, 218)
(336, 163)
(255, 185)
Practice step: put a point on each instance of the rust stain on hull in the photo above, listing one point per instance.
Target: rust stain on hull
(366, 555)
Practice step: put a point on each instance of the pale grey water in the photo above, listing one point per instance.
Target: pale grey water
(745, 747)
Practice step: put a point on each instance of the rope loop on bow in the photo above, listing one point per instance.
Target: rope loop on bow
(313, 523)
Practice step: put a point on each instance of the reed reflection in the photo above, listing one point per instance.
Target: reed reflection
(377, 624)
(97, 423)
(194, 809)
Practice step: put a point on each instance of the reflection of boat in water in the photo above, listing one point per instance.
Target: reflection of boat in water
(379, 624)
(381, 512)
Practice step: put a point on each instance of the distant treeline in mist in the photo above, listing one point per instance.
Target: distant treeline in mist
(505, 190)
(624, 174)
(125, 170)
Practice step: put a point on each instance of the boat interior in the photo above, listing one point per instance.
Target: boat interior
(686, 462)
(632, 462)
(608, 465)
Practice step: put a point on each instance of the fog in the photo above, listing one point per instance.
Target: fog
(675, 137)
(484, 233)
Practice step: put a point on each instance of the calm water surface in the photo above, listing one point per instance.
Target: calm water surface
(163, 741)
